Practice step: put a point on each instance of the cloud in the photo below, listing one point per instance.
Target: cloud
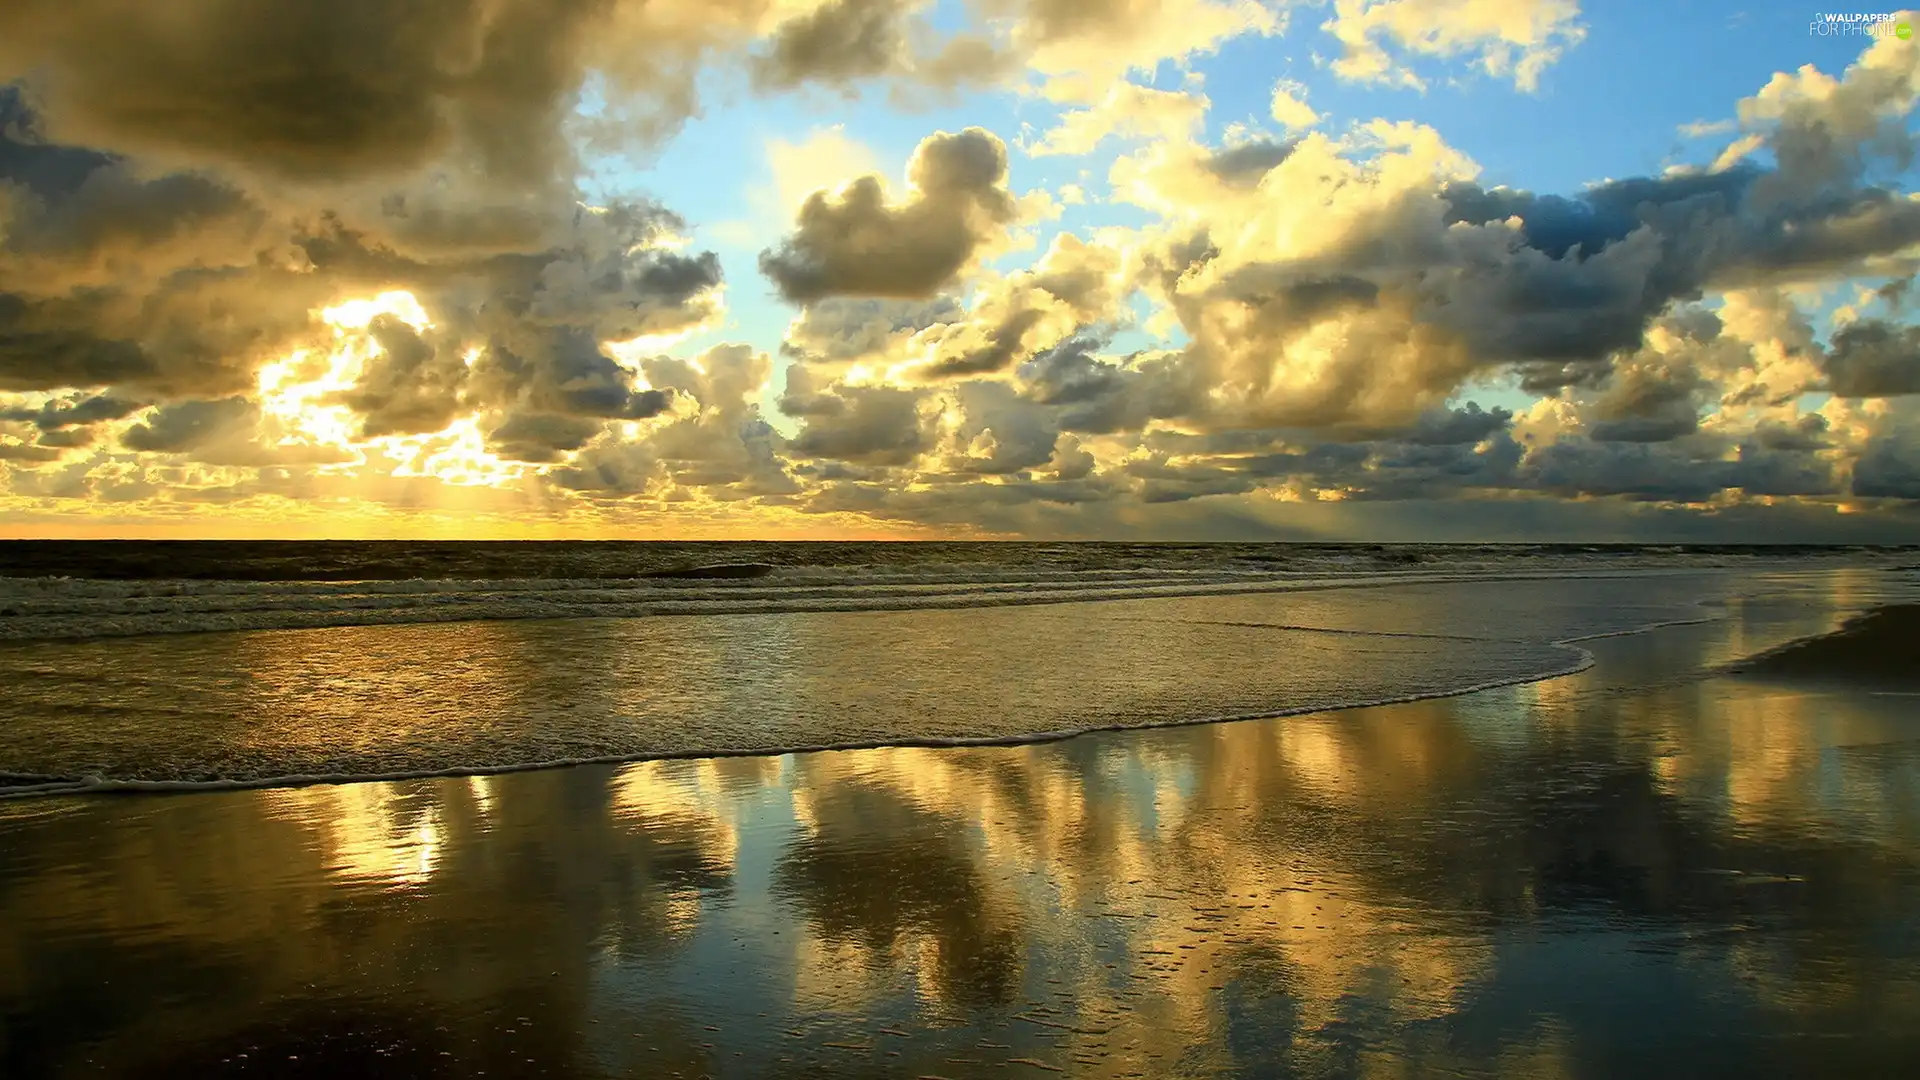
(189, 425)
(414, 385)
(541, 437)
(1072, 287)
(821, 161)
(1873, 358)
(180, 286)
(1082, 47)
(858, 244)
(837, 41)
(1289, 335)
(57, 415)
(1129, 111)
(1457, 427)
(872, 425)
(1507, 39)
(307, 92)
(843, 331)
(1243, 164)
(1289, 106)
(1889, 469)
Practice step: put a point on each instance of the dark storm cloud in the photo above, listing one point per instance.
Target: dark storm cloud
(1453, 427)
(200, 332)
(616, 470)
(1640, 471)
(1806, 433)
(1442, 280)
(1759, 469)
(109, 275)
(199, 299)
(1597, 268)
(115, 217)
(801, 399)
(69, 437)
(44, 169)
(857, 245)
(177, 271)
(1889, 469)
(1378, 469)
(1873, 358)
(1646, 429)
(308, 89)
(1671, 472)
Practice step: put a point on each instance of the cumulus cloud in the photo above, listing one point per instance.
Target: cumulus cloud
(56, 414)
(859, 244)
(414, 385)
(311, 92)
(1289, 106)
(872, 425)
(1507, 39)
(1889, 469)
(1873, 358)
(1337, 296)
(1081, 47)
(843, 42)
(1295, 327)
(1128, 110)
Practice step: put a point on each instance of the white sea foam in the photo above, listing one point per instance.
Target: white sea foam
(15, 785)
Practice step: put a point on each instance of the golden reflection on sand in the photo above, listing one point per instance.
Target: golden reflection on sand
(1443, 886)
(364, 833)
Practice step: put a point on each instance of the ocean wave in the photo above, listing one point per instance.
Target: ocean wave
(38, 609)
(172, 712)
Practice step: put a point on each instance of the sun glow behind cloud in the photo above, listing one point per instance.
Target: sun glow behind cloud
(301, 398)
(1087, 324)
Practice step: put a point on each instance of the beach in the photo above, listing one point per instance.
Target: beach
(1652, 865)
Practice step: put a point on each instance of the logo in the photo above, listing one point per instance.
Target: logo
(1859, 24)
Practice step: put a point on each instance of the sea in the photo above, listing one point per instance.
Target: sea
(134, 665)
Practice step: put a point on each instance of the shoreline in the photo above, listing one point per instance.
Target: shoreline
(1444, 880)
(16, 785)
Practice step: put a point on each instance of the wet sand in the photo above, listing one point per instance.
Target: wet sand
(1641, 870)
(1880, 648)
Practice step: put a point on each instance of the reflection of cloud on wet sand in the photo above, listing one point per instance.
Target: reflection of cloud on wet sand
(1427, 887)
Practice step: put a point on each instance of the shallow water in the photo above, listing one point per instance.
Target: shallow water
(365, 701)
(1632, 871)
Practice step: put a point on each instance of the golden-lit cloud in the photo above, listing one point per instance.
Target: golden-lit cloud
(1507, 39)
(1289, 106)
(412, 316)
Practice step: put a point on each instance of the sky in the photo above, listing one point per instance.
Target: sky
(1381, 270)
